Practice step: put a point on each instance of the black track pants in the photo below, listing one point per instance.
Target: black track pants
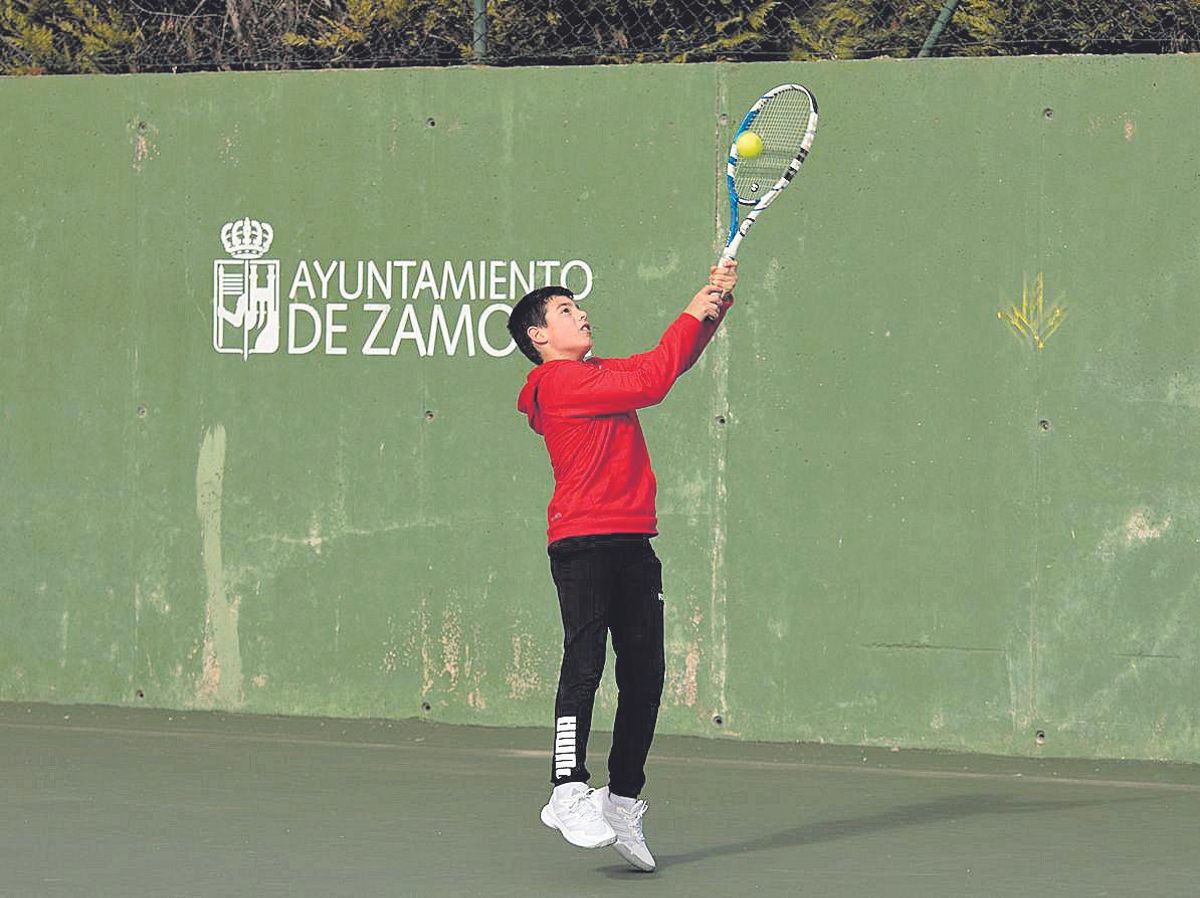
(608, 583)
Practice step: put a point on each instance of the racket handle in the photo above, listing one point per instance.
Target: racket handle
(724, 298)
(726, 256)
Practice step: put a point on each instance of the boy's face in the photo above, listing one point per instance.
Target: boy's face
(567, 334)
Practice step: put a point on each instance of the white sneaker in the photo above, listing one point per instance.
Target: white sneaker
(571, 811)
(624, 815)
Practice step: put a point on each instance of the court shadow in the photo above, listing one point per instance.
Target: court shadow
(952, 807)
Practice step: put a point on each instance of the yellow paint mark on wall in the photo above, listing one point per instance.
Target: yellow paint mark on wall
(1031, 321)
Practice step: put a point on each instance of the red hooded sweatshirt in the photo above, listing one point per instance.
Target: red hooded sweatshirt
(587, 412)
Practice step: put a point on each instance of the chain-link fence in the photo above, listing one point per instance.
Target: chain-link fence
(140, 35)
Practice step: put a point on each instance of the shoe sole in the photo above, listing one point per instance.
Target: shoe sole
(633, 861)
(551, 820)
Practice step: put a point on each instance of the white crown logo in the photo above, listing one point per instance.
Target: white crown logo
(246, 238)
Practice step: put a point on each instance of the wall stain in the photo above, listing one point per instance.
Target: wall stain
(417, 650)
(451, 643)
(1181, 390)
(684, 654)
(1140, 668)
(229, 146)
(221, 662)
(314, 540)
(474, 672)
(522, 676)
(64, 629)
(391, 653)
(648, 271)
(142, 135)
(1137, 530)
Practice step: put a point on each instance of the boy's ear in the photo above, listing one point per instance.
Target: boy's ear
(536, 335)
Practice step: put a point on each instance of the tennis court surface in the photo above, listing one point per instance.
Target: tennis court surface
(132, 802)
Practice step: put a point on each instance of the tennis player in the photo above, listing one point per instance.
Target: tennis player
(600, 521)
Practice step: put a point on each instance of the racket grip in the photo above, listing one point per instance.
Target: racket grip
(725, 257)
(724, 298)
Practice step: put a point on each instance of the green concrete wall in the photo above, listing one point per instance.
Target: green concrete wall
(887, 517)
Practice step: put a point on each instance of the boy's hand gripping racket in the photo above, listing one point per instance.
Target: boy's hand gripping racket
(768, 149)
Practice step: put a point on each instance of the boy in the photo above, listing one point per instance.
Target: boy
(600, 519)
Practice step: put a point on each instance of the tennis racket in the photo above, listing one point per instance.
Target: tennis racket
(785, 120)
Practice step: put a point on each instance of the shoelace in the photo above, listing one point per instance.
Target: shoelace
(633, 819)
(582, 805)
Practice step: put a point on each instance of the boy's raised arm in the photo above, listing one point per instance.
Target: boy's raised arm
(642, 380)
(723, 276)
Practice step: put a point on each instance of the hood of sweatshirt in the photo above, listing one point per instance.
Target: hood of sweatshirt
(527, 401)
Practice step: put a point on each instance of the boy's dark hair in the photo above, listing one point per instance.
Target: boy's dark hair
(531, 312)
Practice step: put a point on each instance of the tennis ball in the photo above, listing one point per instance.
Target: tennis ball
(749, 145)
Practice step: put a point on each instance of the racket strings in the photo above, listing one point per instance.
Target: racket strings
(781, 124)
